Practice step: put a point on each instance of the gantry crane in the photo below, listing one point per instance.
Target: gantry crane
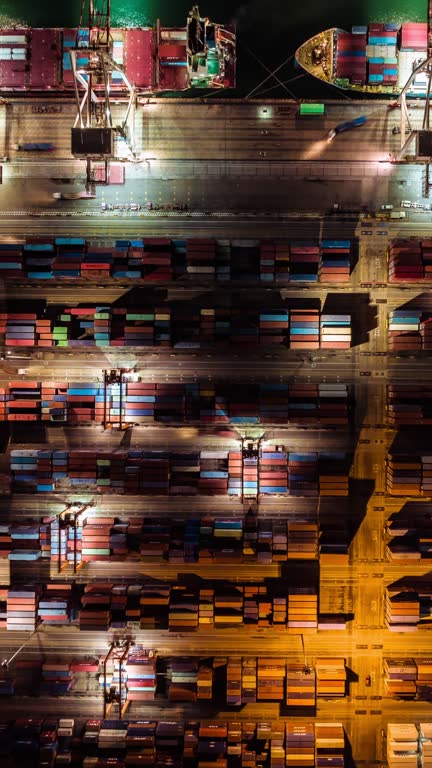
(93, 134)
(422, 139)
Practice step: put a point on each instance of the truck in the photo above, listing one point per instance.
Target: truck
(398, 214)
(36, 146)
(73, 196)
(347, 126)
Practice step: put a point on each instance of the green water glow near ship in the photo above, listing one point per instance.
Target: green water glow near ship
(271, 30)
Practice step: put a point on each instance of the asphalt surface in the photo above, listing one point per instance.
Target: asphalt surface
(246, 146)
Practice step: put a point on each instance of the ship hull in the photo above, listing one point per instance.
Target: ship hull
(378, 59)
(154, 59)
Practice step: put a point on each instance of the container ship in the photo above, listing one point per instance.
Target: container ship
(378, 58)
(200, 55)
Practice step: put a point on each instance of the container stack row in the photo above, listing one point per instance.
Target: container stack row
(304, 329)
(55, 606)
(335, 331)
(381, 52)
(74, 258)
(329, 745)
(57, 678)
(382, 37)
(252, 679)
(409, 678)
(225, 540)
(335, 264)
(368, 55)
(410, 330)
(300, 685)
(190, 679)
(409, 405)
(297, 262)
(193, 328)
(351, 57)
(331, 677)
(334, 541)
(163, 259)
(403, 609)
(176, 607)
(241, 680)
(195, 743)
(403, 745)
(410, 260)
(327, 471)
(302, 607)
(410, 539)
(409, 474)
(300, 745)
(404, 330)
(207, 472)
(22, 608)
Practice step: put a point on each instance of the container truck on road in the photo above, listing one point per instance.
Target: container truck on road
(73, 196)
(347, 126)
(35, 146)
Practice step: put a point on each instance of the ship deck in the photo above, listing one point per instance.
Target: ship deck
(316, 55)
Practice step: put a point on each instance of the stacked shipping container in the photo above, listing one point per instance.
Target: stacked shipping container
(351, 57)
(147, 472)
(409, 678)
(410, 260)
(164, 259)
(105, 326)
(409, 405)
(102, 605)
(409, 475)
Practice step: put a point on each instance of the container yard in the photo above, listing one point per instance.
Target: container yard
(155, 553)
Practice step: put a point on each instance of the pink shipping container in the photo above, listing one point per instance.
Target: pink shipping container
(116, 173)
(414, 35)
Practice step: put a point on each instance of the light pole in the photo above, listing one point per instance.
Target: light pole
(250, 449)
(118, 652)
(114, 376)
(69, 518)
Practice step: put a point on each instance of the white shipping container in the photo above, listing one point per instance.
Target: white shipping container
(332, 387)
(173, 34)
(334, 338)
(11, 39)
(214, 454)
(20, 452)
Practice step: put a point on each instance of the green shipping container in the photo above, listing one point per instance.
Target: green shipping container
(311, 110)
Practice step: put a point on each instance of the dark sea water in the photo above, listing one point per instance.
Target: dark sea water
(268, 31)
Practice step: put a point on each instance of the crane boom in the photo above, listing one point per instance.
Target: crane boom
(93, 134)
(429, 30)
(408, 133)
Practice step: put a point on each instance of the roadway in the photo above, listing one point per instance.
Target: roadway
(186, 141)
(181, 366)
